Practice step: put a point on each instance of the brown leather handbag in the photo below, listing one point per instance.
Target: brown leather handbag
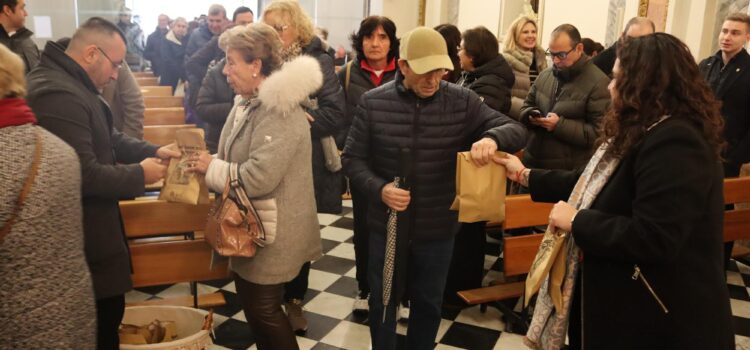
(233, 226)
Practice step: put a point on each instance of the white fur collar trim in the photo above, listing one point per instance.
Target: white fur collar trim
(286, 88)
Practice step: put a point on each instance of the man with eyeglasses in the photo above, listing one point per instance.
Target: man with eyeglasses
(564, 106)
(64, 93)
(412, 128)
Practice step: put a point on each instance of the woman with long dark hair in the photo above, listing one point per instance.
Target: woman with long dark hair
(643, 269)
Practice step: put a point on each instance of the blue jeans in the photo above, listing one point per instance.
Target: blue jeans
(429, 262)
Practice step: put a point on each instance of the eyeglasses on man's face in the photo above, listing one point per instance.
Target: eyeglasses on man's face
(561, 54)
(114, 65)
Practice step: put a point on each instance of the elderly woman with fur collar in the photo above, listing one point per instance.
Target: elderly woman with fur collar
(268, 136)
(522, 51)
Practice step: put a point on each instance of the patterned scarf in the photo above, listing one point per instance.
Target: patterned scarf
(291, 52)
(548, 326)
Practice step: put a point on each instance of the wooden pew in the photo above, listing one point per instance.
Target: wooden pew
(164, 116)
(150, 91)
(162, 101)
(519, 252)
(161, 255)
(163, 134)
(151, 81)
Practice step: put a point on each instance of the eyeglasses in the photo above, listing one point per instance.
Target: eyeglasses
(280, 28)
(561, 55)
(114, 65)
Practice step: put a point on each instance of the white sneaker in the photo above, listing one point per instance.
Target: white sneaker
(403, 312)
(361, 305)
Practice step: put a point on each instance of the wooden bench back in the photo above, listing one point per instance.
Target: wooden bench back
(173, 262)
(162, 101)
(163, 134)
(164, 116)
(159, 261)
(143, 74)
(150, 81)
(156, 91)
(519, 251)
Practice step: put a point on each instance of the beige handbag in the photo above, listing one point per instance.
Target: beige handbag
(234, 228)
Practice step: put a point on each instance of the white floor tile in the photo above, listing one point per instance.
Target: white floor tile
(216, 347)
(327, 219)
(489, 319)
(740, 308)
(350, 215)
(735, 278)
(335, 233)
(347, 203)
(352, 273)
(330, 305)
(510, 341)
(305, 343)
(446, 347)
(489, 260)
(321, 280)
(349, 335)
(443, 328)
(182, 289)
(741, 343)
(135, 296)
(219, 319)
(240, 316)
(343, 250)
(230, 287)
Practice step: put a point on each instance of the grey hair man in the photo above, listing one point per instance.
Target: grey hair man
(65, 96)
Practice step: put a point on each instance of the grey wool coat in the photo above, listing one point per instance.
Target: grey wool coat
(271, 143)
(46, 295)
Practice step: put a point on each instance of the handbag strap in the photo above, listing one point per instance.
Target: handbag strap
(234, 182)
(26, 187)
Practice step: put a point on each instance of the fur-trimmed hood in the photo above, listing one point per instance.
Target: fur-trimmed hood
(292, 85)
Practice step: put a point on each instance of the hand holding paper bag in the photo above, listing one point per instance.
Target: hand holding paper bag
(480, 191)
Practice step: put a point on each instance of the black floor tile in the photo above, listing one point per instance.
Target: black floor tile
(232, 306)
(328, 245)
(153, 289)
(333, 264)
(733, 266)
(741, 326)
(347, 223)
(234, 334)
(319, 325)
(466, 336)
(344, 286)
(311, 293)
(359, 318)
(738, 292)
(218, 283)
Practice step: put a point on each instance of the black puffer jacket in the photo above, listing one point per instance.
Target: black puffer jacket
(359, 83)
(215, 100)
(492, 81)
(22, 45)
(329, 118)
(390, 118)
(173, 54)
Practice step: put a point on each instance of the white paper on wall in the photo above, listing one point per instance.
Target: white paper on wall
(42, 27)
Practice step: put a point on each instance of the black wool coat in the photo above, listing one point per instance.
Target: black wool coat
(662, 210)
(734, 94)
(390, 118)
(329, 116)
(492, 81)
(68, 104)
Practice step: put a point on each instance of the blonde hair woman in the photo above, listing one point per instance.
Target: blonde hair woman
(522, 51)
(267, 135)
(41, 240)
(326, 116)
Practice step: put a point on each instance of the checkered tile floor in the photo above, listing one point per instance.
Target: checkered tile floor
(328, 303)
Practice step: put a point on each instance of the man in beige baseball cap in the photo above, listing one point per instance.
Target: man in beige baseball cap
(408, 131)
(423, 60)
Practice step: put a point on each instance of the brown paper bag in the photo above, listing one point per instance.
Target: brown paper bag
(182, 186)
(552, 251)
(480, 192)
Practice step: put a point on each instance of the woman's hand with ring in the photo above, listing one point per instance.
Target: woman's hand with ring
(199, 162)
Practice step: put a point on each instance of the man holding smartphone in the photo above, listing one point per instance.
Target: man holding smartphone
(564, 106)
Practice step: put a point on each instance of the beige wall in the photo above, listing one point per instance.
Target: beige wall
(402, 12)
(61, 13)
(589, 16)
